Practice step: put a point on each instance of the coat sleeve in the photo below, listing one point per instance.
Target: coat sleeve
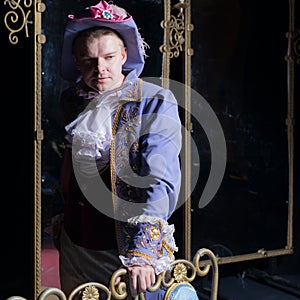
(147, 237)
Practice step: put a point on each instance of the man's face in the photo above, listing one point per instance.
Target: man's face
(100, 60)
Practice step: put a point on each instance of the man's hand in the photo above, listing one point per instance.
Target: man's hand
(140, 278)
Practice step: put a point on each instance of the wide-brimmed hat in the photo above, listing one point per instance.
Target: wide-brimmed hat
(108, 15)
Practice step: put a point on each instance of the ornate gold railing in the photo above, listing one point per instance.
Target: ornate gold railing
(182, 274)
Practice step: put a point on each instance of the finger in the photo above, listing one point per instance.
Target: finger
(133, 285)
(143, 283)
(118, 280)
(150, 275)
(133, 292)
(150, 280)
(153, 278)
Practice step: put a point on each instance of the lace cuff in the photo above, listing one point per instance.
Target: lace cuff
(159, 265)
(151, 242)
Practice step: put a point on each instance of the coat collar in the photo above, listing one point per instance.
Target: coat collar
(134, 91)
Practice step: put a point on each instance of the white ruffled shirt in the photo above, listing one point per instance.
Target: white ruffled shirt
(91, 132)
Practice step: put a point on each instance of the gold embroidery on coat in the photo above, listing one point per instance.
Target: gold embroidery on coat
(154, 233)
(137, 253)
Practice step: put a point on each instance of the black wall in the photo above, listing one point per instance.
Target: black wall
(17, 182)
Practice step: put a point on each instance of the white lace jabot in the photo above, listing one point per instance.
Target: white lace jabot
(91, 132)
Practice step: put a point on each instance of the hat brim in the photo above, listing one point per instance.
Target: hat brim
(127, 29)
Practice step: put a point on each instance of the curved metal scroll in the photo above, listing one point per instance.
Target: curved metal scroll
(183, 272)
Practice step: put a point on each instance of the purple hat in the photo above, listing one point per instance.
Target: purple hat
(114, 17)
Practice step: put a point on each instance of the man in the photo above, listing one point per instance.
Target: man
(121, 173)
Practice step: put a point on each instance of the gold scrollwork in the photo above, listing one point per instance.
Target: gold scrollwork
(12, 19)
(175, 25)
(183, 272)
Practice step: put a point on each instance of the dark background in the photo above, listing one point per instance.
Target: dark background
(239, 68)
(17, 117)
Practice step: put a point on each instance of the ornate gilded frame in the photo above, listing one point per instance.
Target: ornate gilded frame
(22, 9)
(178, 29)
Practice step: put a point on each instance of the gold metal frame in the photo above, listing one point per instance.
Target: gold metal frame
(40, 39)
(178, 28)
(22, 10)
(292, 57)
(177, 40)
